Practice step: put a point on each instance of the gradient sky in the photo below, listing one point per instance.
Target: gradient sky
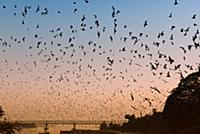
(48, 82)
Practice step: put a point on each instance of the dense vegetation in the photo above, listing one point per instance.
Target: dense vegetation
(146, 124)
(182, 109)
(180, 114)
(6, 127)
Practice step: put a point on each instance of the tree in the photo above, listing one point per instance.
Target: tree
(130, 117)
(1, 112)
(182, 107)
(130, 125)
(147, 124)
(6, 127)
(104, 126)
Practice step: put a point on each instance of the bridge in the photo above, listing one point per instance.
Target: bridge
(66, 122)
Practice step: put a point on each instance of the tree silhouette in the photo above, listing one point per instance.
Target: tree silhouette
(147, 124)
(180, 114)
(182, 108)
(1, 112)
(6, 127)
(104, 126)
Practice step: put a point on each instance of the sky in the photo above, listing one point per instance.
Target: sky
(94, 60)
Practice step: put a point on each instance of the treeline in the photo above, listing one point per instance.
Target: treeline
(180, 114)
(147, 124)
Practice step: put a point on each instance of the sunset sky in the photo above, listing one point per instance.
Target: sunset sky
(64, 60)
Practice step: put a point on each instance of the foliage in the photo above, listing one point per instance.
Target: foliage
(1, 112)
(180, 114)
(110, 126)
(6, 127)
(182, 108)
(147, 124)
